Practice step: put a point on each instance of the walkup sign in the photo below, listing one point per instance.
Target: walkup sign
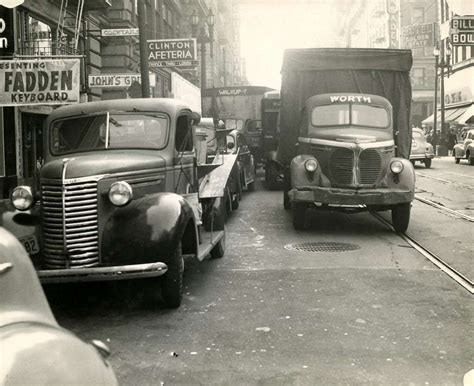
(44, 82)
(172, 53)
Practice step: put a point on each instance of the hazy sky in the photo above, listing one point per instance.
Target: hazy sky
(270, 26)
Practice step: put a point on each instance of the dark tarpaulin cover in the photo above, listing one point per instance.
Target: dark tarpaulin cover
(308, 72)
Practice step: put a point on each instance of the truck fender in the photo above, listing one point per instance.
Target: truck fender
(404, 180)
(149, 230)
(301, 177)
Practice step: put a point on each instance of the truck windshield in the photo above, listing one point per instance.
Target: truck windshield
(234, 124)
(142, 131)
(350, 114)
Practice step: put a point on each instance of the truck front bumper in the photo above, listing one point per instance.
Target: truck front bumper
(337, 196)
(133, 271)
(418, 157)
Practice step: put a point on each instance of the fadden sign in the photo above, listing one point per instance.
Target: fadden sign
(393, 14)
(117, 80)
(44, 82)
(462, 30)
(418, 35)
(172, 53)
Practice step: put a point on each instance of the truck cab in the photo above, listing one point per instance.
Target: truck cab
(346, 159)
(122, 195)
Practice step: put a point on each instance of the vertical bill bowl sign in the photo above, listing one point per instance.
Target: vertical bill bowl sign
(462, 30)
(172, 53)
(44, 82)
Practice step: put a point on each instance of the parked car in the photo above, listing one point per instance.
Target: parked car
(35, 350)
(237, 144)
(421, 150)
(465, 150)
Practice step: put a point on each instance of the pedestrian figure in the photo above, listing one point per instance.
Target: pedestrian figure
(452, 140)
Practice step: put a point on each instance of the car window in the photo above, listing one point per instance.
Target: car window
(93, 132)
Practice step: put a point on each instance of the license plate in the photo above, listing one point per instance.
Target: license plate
(31, 244)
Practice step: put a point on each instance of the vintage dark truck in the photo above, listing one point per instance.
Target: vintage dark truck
(122, 195)
(345, 134)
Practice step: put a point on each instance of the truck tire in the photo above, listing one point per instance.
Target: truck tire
(427, 163)
(218, 251)
(271, 176)
(214, 218)
(172, 289)
(286, 200)
(401, 217)
(235, 202)
(299, 216)
(251, 186)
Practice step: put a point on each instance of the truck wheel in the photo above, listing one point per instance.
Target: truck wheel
(286, 200)
(172, 289)
(271, 175)
(235, 202)
(214, 217)
(401, 217)
(299, 216)
(251, 186)
(427, 163)
(218, 251)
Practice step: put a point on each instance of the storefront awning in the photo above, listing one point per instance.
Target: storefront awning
(467, 116)
(450, 115)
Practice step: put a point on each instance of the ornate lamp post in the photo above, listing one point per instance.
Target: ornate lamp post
(203, 39)
(441, 63)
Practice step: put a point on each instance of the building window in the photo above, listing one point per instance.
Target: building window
(418, 15)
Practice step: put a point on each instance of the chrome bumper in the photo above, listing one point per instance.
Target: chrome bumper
(335, 196)
(134, 271)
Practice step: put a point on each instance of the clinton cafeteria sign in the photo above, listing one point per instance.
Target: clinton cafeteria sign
(172, 53)
(44, 82)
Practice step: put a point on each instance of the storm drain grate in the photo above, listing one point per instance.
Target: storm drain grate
(323, 246)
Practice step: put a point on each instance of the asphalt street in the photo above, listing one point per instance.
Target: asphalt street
(357, 305)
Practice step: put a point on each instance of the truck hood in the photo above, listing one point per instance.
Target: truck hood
(352, 134)
(110, 162)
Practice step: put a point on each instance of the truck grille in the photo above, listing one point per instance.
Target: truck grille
(343, 173)
(70, 225)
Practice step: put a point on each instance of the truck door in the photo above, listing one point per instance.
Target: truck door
(185, 175)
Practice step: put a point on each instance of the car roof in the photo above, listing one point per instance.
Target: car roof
(169, 106)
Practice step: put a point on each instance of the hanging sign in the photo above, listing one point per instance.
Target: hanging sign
(418, 35)
(119, 32)
(44, 82)
(172, 53)
(462, 30)
(117, 80)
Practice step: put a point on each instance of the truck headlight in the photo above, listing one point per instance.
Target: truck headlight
(120, 193)
(396, 167)
(310, 165)
(22, 198)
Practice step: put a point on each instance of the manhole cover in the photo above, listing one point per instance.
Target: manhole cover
(323, 246)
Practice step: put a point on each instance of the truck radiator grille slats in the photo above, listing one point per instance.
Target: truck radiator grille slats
(370, 165)
(70, 225)
(346, 170)
(341, 166)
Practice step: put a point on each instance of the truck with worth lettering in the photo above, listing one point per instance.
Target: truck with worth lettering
(240, 109)
(345, 133)
(122, 195)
